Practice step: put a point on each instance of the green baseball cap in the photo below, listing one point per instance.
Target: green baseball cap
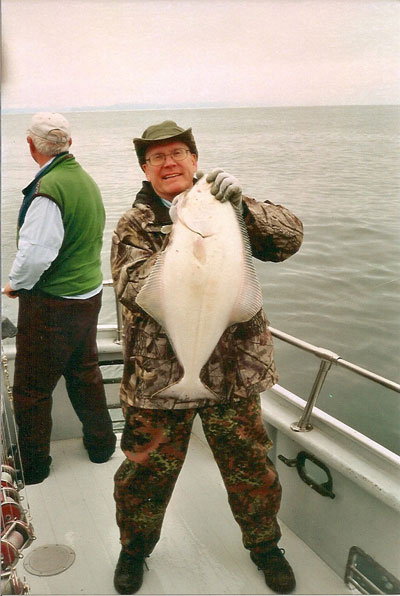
(161, 133)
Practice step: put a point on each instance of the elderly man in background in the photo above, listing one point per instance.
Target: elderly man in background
(57, 277)
(157, 430)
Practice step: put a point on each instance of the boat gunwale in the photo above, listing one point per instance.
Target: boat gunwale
(360, 459)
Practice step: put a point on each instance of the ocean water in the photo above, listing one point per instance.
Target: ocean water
(337, 168)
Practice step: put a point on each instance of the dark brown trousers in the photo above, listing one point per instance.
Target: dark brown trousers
(57, 337)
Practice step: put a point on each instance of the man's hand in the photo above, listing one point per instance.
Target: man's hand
(226, 187)
(9, 291)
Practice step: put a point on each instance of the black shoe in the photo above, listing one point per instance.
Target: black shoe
(99, 456)
(278, 573)
(38, 473)
(128, 576)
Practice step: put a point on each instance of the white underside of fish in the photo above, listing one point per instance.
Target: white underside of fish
(203, 282)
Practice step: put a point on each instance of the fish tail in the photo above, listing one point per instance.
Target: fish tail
(186, 390)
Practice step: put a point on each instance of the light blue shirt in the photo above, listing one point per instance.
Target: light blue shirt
(40, 239)
(166, 202)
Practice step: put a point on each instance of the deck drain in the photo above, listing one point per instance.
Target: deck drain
(49, 559)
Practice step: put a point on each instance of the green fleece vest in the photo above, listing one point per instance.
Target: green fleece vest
(77, 267)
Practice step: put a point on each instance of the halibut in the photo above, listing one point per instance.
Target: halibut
(203, 282)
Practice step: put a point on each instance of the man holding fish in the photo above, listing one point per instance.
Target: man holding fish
(196, 341)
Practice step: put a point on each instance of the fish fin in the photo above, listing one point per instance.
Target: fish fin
(148, 297)
(187, 391)
(250, 300)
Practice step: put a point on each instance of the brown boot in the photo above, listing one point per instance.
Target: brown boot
(278, 573)
(128, 576)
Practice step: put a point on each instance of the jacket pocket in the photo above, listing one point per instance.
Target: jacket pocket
(154, 362)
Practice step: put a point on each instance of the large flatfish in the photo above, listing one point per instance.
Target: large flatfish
(203, 282)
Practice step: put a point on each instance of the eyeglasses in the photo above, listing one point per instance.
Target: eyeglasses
(157, 159)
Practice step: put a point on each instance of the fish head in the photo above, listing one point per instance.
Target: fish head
(196, 209)
(199, 195)
(176, 204)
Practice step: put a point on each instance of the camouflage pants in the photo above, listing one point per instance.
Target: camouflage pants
(155, 443)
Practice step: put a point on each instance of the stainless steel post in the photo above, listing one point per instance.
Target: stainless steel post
(304, 425)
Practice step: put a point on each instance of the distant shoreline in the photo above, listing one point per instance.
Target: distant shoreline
(152, 108)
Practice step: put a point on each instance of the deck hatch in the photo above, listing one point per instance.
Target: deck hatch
(50, 559)
(367, 576)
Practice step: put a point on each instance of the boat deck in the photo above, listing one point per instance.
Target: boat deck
(200, 551)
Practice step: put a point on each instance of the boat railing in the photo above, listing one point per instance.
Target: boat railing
(326, 357)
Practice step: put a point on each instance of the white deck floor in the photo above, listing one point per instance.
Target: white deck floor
(200, 551)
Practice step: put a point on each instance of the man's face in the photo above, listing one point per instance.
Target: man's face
(172, 177)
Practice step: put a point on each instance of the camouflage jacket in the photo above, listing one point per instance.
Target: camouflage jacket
(242, 362)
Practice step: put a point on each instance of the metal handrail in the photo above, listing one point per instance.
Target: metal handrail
(327, 358)
(324, 354)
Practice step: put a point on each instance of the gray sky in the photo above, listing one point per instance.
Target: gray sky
(60, 55)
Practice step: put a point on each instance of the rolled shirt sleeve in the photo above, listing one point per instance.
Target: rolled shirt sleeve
(40, 239)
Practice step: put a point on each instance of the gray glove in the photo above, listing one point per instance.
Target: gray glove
(226, 187)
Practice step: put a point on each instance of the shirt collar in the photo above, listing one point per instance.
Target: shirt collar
(166, 202)
(47, 163)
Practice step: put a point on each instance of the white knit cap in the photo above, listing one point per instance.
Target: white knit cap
(50, 127)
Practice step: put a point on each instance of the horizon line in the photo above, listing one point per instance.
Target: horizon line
(155, 107)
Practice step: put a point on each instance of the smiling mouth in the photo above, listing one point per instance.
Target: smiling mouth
(170, 176)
